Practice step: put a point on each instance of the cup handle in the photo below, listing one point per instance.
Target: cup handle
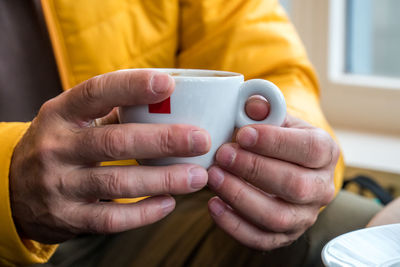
(268, 90)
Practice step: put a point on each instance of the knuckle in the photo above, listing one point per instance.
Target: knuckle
(100, 183)
(289, 239)
(114, 142)
(92, 223)
(298, 185)
(312, 220)
(168, 182)
(275, 242)
(55, 209)
(144, 80)
(48, 107)
(46, 186)
(41, 158)
(329, 194)
(306, 220)
(91, 90)
(114, 185)
(254, 170)
(144, 216)
(101, 221)
(317, 152)
(141, 82)
(45, 150)
(236, 228)
(85, 140)
(278, 144)
(109, 223)
(70, 214)
(271, 242)
(335, 153)
(302, 189)
(238, 196)
(283, 221)
(93, 181)
(140, 184)
(93, 178)
(260, 243)
(166, 143)
(63, 186)
(264, 242)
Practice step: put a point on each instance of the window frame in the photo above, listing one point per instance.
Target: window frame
(363, 110)
(351, 101)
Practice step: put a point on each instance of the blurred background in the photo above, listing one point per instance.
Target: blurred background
(355, 48)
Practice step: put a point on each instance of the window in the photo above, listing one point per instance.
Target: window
(360, 87)
(286, 4)
(373, 37)
(356, 73)
(355, 48)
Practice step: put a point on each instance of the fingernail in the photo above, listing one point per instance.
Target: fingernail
(160, 83)
(197, 177)
(216, 207)
(215, 177)
(226, 155)
(247, 137)
(168, 205)
(199, 142)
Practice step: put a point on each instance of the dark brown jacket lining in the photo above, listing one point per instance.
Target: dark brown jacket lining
(28, 72)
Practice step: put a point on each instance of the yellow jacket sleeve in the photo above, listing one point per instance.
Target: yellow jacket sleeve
(13, 249)
(253, 37)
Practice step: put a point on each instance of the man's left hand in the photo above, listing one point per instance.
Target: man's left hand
(271, 184)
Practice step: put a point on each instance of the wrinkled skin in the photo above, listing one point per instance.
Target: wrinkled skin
(55, 178)
(271, 183)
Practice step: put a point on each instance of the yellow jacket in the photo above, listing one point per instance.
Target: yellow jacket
(253, 37)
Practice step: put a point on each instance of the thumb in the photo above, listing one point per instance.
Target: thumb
(96, 97)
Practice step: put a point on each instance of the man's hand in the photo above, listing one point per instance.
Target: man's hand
(56, 182)
(388, 215)
(271, 184)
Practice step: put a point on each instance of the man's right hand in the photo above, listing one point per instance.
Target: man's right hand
(56, 182)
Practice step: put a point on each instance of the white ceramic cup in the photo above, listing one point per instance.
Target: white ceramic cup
(212, 100)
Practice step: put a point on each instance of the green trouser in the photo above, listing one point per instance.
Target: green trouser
(188, 237)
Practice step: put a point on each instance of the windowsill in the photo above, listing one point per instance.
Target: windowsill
(366, 81)
(370, 151)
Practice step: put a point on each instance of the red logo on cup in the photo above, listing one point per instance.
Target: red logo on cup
(163, 107)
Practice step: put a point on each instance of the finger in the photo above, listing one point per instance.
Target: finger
(290, 182)
(294, 122)
(312, 148)
(97, 96)
(257, 107)
(111, 217)
(243, 231)
(135, 181)
(138, 141)
(266, 211)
